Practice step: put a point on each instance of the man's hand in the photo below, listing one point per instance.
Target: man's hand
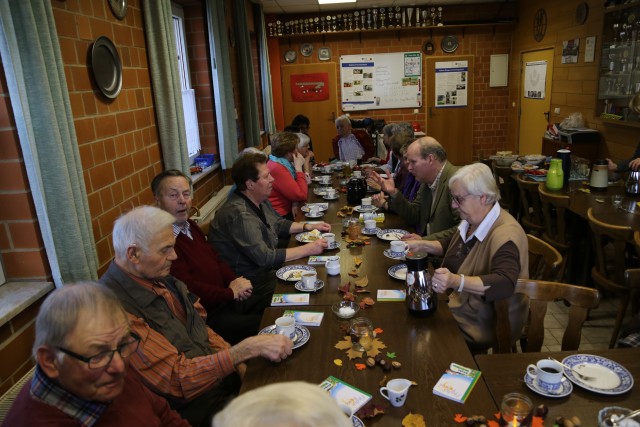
(386, 184)
(272, 347)
(411, 236)
(322, 226)
(634, 164)
(241, 288)
(317, 247)
(378, 200)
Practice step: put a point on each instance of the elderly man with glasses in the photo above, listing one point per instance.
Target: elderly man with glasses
(431, 212)
(82, 347)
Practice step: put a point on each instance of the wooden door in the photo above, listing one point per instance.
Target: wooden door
(451, 126)
(534, 112)
(322, 114)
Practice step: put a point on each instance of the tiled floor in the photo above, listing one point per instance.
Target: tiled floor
(596, 331)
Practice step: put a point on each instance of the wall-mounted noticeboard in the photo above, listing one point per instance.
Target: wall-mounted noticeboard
(384, 80)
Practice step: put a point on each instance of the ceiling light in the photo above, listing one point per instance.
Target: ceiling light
(335, 1)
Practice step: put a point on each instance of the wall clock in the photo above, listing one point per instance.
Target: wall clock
(539, 25)
(119, 8)
(290, 56)
(582, 11)
(449, 44)
(428, 48)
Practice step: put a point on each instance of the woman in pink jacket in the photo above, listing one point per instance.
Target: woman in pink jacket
(286, 167)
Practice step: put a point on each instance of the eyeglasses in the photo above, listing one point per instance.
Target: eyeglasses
(104, 358)
(460, 199)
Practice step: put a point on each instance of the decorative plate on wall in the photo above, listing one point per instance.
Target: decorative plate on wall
(290, 56)
(449, 44)
(324, 54)
(539, 25)
(306, 49)
(119, 8)
(106, 67)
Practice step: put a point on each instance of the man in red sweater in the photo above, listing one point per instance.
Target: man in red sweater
(234, 308)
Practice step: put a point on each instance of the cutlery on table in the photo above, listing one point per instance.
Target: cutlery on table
(616, 422)
(583, 377)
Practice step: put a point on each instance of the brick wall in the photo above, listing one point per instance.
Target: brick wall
(490, 104)
(574, 86)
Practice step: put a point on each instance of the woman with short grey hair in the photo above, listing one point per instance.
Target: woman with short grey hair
(483, 260)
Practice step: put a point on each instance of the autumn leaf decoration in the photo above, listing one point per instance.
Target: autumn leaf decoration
(345, 344)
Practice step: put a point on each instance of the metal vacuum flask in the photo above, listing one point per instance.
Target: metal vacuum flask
(420, 300)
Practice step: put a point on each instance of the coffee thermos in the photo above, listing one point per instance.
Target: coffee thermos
(599, 180)
(356, 190)
(420, 299)
(632, 186)
(565, 155)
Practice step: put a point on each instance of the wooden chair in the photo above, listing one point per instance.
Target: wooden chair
(579, 299)
(530, 206)
(554, 210)
(544, 259)
(508, 193)
(611, 251)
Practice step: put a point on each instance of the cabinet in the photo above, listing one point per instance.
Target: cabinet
(619, 74)
(587, 150)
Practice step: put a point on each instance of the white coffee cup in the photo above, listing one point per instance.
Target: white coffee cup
(547, 375)
(309, 280)
(369, 225)
(368, 215)
(330, 238)
(365, 202)
(314, 210)
(398, 248)
(357, 174)
(333, 265)
(328, 168)
(397, 391)
(286, 326)
(331, 193)
(325, 179)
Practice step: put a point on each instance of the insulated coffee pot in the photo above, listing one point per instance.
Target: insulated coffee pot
(356, 190)
(420, 299)
(632, 186)
(599, 176)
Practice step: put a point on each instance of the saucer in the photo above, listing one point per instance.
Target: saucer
(387, 253)
(300, 339)
(565, 387)
(336, 197)
(370, 232)
(310, 215)
(334, 245)
(319, 285)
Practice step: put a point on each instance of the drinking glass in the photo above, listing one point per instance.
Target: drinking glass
(616, 200)
(515, 408)
(361, 332)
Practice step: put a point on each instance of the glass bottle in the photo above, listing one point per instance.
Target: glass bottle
(555, 176)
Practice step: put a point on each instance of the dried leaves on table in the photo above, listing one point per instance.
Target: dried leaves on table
(345, 344)
(413, 420)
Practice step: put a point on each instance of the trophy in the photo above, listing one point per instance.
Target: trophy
(417, 16)
(440, 24)
(409, 15)
(382, 16)
(356, 15)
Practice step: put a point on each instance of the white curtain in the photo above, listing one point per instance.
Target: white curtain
(265, 71)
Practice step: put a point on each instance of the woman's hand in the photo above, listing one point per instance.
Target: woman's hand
(298, 161)
(442, 280)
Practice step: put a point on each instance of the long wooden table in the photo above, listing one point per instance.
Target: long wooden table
(504, 373)
(424, 346)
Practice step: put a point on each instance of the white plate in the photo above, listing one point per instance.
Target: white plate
(359, 208)
(565, 387)
(310, 215)
(319, 285)
(387, 253)
(370, 233)
(391, 234)
(301, 338)
(357, 422)
(320, 206)
(305, 237)
(293, 273)
(609, 377)
(398, 271)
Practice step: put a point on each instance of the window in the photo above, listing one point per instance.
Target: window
(188, 94)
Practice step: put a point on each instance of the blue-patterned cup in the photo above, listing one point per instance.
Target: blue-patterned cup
(547, 375)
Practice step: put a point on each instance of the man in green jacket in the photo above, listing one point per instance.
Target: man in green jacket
(431, 212)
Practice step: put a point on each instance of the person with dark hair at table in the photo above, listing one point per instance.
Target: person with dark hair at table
(351, 144)
(483, 260)
(289, 180)
(246, 229)
(302, 124)
(179, 356)
(82, 348)
(234, 310)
